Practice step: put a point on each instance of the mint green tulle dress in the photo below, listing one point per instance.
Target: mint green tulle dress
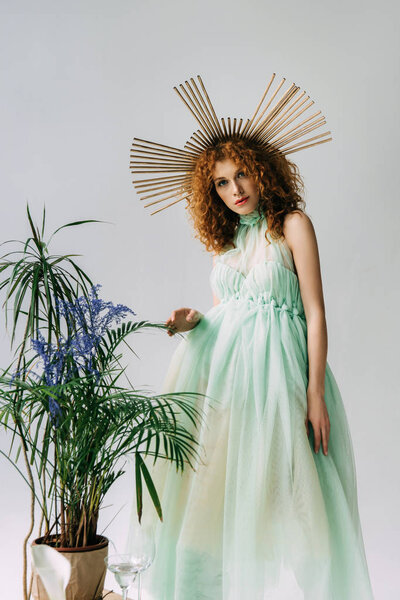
(262, 516)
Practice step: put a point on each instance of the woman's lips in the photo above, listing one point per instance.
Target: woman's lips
(242, 201)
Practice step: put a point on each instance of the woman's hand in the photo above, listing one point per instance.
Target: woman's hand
(182, 319)
(317, 414)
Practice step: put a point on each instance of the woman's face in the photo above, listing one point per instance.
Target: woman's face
(237, 190)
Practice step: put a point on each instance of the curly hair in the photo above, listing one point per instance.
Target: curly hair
(279, 183)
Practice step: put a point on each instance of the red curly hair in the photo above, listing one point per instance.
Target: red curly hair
(278, 179)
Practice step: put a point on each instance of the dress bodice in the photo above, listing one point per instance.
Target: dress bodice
(258, 269)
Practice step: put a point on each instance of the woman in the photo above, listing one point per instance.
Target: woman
(265, 509)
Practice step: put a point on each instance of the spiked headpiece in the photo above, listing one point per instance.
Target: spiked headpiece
(273, 130)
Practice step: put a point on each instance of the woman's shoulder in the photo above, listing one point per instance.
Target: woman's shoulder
(297, 227)
(296, 223)
(295, 218)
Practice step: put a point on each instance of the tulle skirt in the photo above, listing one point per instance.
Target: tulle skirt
(261, 515)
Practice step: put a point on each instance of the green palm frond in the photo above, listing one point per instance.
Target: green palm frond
(72, 462)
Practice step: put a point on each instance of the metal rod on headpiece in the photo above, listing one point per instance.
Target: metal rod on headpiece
(150, 184)
(195, 147)
(157, 162)
(161, 192)
(206, 108)
(189, 107)
(210, 104)
(157, 152)
(282, 118)
(168, 205)
(161, 200)
(306, 141)
(201, 110)
(295, 132)
(251, 129)
(234, 126)
(158, 170)
(200, 139)
(155, 159)
(308, 146)
(178, 150)
(154, 179)
(240, 126)
(297, 126)
(287, 123)
(203, 122)
(275, 110)
(250, 121)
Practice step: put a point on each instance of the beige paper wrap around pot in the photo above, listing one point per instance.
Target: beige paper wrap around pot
(88, 571)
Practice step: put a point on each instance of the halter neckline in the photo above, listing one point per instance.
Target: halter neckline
(251, 218)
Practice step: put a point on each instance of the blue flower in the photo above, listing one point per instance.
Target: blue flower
(87, 319)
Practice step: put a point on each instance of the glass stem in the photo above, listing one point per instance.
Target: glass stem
(139, 587)
(124, 593)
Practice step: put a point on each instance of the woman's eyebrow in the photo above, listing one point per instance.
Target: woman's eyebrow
(236, 172)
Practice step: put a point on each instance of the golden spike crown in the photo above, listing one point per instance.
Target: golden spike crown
(270, 126)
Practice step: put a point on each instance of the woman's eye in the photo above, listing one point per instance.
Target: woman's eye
(241, 174)
(222, 182)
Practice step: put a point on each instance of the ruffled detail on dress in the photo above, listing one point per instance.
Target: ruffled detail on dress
(251, 218)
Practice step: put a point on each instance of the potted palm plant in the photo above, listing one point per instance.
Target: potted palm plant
(73, 415)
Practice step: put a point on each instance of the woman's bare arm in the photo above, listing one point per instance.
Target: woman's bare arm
(301, 239)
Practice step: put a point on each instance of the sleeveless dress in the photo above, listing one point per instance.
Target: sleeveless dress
(262, 516)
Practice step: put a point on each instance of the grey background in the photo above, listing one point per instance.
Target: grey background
(80, 79)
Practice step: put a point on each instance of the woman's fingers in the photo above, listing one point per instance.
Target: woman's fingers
(321, 432)
(317, 439)
(173, 321)
(325, 438)
(191, 315)
(171, 324)
(317, 414)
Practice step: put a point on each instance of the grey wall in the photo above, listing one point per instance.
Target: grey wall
(80, 79)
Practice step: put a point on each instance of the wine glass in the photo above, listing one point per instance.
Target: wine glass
(124, 568)
(142, 549)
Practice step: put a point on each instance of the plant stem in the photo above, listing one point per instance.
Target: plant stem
(32, 484)
(30, 586)
(25, 543)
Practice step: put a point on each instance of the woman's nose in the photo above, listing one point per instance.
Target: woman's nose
(236, 188)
